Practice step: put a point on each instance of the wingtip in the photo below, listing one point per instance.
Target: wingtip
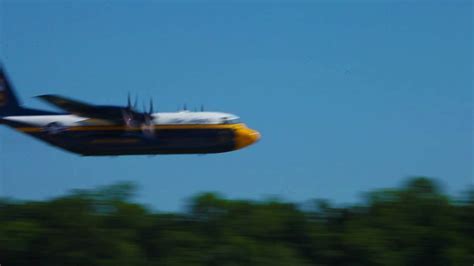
(42, 96)
(45, 96)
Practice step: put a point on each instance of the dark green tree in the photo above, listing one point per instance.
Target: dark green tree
(416, 224)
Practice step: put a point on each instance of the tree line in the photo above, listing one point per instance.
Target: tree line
(415, 224)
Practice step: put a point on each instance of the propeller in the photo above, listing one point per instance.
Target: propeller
(143, 120)
(148, 127)
(128, 112)
(150, 109)
(129, 101)
(135, 104)
(151, 106)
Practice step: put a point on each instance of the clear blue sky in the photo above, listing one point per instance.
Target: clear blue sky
(348, 97)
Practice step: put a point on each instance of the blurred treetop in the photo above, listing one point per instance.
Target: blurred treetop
(413, 225)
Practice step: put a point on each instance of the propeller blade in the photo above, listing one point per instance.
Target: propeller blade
(202, 107)
(151, 106)
(129, 101)
(136, 102)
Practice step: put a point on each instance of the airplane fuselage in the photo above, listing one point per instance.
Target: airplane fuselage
(169, 133)
(95, 130)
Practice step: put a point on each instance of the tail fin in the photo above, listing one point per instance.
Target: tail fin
(9, 104)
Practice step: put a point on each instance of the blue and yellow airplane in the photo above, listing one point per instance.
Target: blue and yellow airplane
(96, 130)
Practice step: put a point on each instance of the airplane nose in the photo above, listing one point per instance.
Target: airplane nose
(245, 137)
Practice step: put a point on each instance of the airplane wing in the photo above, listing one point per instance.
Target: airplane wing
(69, 105)
(111, 113)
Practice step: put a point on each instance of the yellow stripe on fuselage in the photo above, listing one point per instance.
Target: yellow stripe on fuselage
(126, 128)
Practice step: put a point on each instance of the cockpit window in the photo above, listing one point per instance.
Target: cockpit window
(230, 120)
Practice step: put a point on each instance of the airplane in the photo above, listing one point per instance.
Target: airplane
(98, 130)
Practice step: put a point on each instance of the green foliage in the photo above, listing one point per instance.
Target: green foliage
(414, 225)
